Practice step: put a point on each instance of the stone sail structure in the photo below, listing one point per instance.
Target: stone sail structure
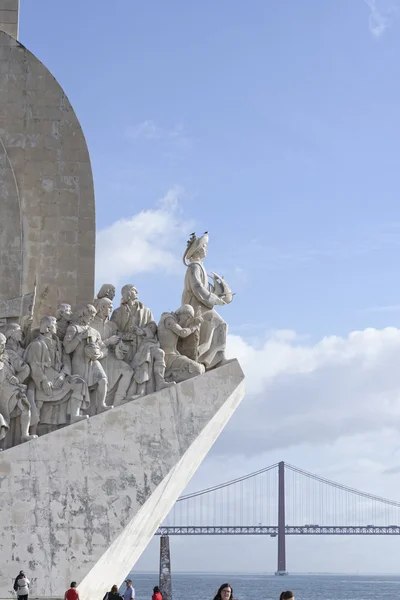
(125, 409)
(46, 184)
(82, 503)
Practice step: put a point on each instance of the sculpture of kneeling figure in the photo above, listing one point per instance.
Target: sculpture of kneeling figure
(172, 327)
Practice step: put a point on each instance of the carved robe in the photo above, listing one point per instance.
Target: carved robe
(12, 396)
(213, 330)
(47, 360)
(18, 364)
(147, 352)
(126, 317)
(117, 370)
(90, 370)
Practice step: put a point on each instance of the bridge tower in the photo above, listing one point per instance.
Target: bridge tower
(281, 521)
(165, 582)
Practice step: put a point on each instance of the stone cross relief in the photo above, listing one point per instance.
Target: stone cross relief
(81, 362)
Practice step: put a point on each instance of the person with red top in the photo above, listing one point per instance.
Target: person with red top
(156, 594)
(72, 593)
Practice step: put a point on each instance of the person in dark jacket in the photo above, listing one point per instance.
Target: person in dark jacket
(225, 592)
(113, 594)
(16, 580)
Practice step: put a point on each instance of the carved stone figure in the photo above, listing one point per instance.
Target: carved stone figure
(59, 396)
(13, 400)
(128, 316)
(208, 347)
(119, 373)
(64, 318)
(172, 327)
(149, 362)
(107, 290)
(15, 351)
(85, 346)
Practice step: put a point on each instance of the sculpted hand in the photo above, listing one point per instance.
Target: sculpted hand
(219, 301)
(47, 387)
(13, 380)
(58, 383)
(198, 321)
(114, 339)
(83, 335)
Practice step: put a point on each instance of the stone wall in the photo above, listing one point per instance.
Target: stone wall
(46, 179)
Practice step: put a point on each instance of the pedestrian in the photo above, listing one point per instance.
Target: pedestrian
(72, 593)
(22, 586)
(113, 594)
(225, 592)
(129, 593)
(286, 596)
(156, 594)
(16, 580)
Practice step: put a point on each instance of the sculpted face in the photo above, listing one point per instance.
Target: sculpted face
(107, 290)
(17, 334)
(52, 326)
(89, 315)
(200, 253)
(130, 293)
(66, 313)
(184, 320)
(104, 310)
(203, 251)
(110, 292)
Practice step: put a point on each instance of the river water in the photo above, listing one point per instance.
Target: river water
(201, 586)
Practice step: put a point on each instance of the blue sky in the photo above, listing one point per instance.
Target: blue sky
(275, 126)
(279, 120)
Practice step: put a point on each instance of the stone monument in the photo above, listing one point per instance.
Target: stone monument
(47, 194)
(104, 415)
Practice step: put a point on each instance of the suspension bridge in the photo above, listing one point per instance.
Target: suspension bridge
(277, 501)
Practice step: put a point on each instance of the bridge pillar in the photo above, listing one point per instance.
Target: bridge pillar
(165, 568)
(281, 521)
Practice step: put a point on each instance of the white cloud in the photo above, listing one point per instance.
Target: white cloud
(381, 15)
(151, 131)
(301, 393)
(149, 241)
(331, 408)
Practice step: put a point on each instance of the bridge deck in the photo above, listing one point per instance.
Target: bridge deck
(272, 530)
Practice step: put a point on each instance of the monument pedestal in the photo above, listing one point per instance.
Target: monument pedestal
(82, 503)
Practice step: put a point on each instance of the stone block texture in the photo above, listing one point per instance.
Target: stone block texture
(9, 10)
(82, 503)
(46, 185)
